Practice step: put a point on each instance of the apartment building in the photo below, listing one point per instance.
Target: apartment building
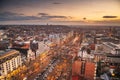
(10, 60)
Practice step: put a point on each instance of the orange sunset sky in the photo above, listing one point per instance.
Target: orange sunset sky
(71, 12)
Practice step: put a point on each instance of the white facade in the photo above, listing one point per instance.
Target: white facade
(109, 47)
(9, 62)
(84, 54)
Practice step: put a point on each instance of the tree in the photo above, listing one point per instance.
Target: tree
(34, 46)
(88, 50)
(82, 49)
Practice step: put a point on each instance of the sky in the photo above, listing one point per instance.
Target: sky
(70, 12)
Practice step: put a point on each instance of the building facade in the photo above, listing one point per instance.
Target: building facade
(10, 60)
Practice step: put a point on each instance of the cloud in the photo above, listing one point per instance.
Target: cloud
(109, 16)
(42, 14)
(46, 16)
(19, 2)
(10, 16)
(50, 17)
(57, 3)
(107, 22)
(16, 18)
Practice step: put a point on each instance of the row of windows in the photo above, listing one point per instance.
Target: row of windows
(10, 65)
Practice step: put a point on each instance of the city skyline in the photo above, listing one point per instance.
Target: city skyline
(77, 12)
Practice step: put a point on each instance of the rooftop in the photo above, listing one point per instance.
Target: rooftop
(111, 45)
(7, 55)
(4, 51)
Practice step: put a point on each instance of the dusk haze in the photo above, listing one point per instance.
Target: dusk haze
(70, 12)
(59, 39)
